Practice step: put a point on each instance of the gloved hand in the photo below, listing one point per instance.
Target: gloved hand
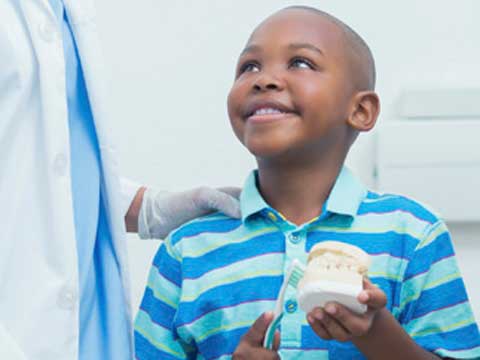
(162, 212)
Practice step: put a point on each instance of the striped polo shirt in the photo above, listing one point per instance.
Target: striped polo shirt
(214, 276)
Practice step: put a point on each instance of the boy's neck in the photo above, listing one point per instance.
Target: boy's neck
(297, 191)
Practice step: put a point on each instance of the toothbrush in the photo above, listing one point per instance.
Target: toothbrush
(294, 274)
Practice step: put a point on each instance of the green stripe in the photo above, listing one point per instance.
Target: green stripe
(437, 229)
(439, 321)
(402, 218)
(387, 266)
(171, 251)
(197, 291)
(454, 326)
(440, 273)
(399, 230)
(303, 354)
(157, 336)
(194, 246)
(218, 275)
(215, 320)
(163, 289)
(460, 354)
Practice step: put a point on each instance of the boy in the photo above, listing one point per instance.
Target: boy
(303, 91)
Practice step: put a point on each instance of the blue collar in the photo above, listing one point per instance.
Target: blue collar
(344, 199)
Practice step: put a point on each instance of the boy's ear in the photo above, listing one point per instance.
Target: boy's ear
(365, 112)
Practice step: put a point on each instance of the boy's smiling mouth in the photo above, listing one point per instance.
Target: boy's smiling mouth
(265, 111)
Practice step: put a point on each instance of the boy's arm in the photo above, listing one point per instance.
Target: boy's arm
(387, 340)
(377, 334)
(155, 334)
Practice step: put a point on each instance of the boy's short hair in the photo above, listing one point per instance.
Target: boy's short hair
(361, 58)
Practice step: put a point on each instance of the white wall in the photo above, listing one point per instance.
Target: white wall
(171, 64)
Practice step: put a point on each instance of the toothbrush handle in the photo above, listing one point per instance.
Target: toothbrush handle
(270, 333)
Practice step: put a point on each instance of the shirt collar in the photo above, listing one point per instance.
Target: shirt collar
(344, 199)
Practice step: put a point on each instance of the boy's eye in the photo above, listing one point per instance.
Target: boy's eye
(301, 63)
(249, 67)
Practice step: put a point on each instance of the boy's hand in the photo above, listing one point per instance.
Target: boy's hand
(337, 322)
(251, 345)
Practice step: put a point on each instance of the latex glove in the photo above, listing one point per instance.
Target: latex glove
(162, 212)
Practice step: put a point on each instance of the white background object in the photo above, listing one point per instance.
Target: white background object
(440, 103)
(436, 162)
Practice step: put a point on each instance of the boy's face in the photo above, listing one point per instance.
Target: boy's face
(291, 92)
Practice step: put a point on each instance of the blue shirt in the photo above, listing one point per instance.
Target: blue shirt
(214, 276)
(103, 320)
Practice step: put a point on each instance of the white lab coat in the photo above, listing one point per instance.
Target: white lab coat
(39, 290)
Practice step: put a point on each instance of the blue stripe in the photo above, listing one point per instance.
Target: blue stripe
(336, 349)
(199, 227)
(452, 293)
(395, 203)
(373, 195)
(161, 314)
(221, 344)
(311, 341)
(462, 339)
(391, 288)
(146, 351)
(232, 253)
(439, 249)
(260, 288)
(168, 266)
(379, 243)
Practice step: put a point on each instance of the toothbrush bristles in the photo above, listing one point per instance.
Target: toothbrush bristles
(295, 277)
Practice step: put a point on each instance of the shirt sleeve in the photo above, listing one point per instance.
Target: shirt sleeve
(154, 333)
(434, 306)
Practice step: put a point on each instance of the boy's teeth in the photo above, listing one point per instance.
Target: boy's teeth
(266, 111)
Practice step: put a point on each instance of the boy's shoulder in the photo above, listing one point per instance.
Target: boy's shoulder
(202, 226)
(404, 206)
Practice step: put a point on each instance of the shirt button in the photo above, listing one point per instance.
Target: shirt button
(294, 238)
(47, 32)
(272, 216)
(67, 299)
(60, 164)
(291, 306)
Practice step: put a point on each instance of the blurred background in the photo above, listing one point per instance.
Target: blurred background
(170, 66)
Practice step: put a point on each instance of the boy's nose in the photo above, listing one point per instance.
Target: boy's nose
(265, 82)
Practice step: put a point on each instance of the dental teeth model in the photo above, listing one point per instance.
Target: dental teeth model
(334, 272)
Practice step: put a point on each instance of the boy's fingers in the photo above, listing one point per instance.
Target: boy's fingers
(355, 324)
(372, 295)
(318, 328)
(334, 327)
(254, 353)
(276, 341)
(375, 298)
(256, 333)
